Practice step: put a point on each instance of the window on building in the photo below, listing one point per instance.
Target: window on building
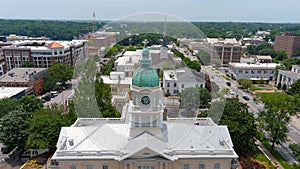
(105, 167)
(114, 89)
(89, 167)
(246, 72)
(137, 121)
(146, 167)
(73, 167)
(201, 166)
(252, 71)
(186, 166)
(182, 85)
(259, 71)
(216, 166)
(174, 84)
(154, 122)
(265, 71)
(168, 84)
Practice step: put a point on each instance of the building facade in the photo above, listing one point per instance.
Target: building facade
(174, 81)
(288, 43)
(143, 138)
(288, 77)
(252, 71)
(128, 62)
(223, 51)
(33, 78)
(42, 53)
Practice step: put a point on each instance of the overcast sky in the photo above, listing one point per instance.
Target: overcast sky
(191, 10)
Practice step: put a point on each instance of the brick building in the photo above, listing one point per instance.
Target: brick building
(41, 53)
(33, 78)
(287, 42)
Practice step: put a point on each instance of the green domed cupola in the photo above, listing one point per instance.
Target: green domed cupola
(145, 76)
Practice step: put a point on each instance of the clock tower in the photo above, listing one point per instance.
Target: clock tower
(145, 109)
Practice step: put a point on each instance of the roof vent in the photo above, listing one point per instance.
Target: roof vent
(221, 142)
(71, 142)
(196, 123)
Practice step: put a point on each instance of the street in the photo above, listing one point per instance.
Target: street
(294, 126)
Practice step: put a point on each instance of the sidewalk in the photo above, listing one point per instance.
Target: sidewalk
(269, 155)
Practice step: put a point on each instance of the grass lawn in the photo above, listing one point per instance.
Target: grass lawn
(262, 159)
(253, 87)
(276, 154)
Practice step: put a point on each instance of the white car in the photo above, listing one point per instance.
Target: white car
(231, 92)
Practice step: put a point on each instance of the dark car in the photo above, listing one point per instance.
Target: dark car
(4, 149)
(246, 97)
(228, 83)
(47, 97)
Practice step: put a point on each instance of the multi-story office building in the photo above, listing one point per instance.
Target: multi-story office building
(288, 77)
(42, 53)
(288, 43)
(128, 62)
(223, 50)
(144, 137)
(253, 71)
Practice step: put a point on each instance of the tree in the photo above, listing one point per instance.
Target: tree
(31, 103)
(45, 125)
(298, 52)
(294, 89)
(281, 55)
(49, 83)
(274, 119)
(27, 64)
(13, 128)
(7, 105)
(245, 83)
(241, 123)
(61, 72)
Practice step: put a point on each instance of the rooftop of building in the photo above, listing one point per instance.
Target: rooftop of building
(130, 58)
(254, 65)
(184, 75)
(263, 57)
(178, 138)
(8, 92)
(43, 45)
(23, 74)
(222, 41)
(116, 78)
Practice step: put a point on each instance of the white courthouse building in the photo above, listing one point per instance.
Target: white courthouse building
(252, 71)
(144, 138)
(288, 77)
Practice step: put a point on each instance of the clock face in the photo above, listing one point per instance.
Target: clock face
(145, 100)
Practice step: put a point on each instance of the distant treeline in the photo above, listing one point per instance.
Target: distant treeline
(243, 29)
(56, 30)
(66, 30)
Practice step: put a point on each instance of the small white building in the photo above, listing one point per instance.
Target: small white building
(288, 77)
(128, 62)
(252, 71)
(174, 81)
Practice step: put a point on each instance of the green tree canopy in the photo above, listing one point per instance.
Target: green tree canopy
(294, 89)
(61, 72)
(45, 125)
(7, 105)
(13, 128)
(49, 83)
(31, 103)
(274, 119)
(245, 83)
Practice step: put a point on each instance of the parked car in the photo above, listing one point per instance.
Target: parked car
(47, 97)
(245, 97)
(231, 92)
(228, 83)
(4, 149)
(54, 93)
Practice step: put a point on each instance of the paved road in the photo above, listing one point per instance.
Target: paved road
(254, 107)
